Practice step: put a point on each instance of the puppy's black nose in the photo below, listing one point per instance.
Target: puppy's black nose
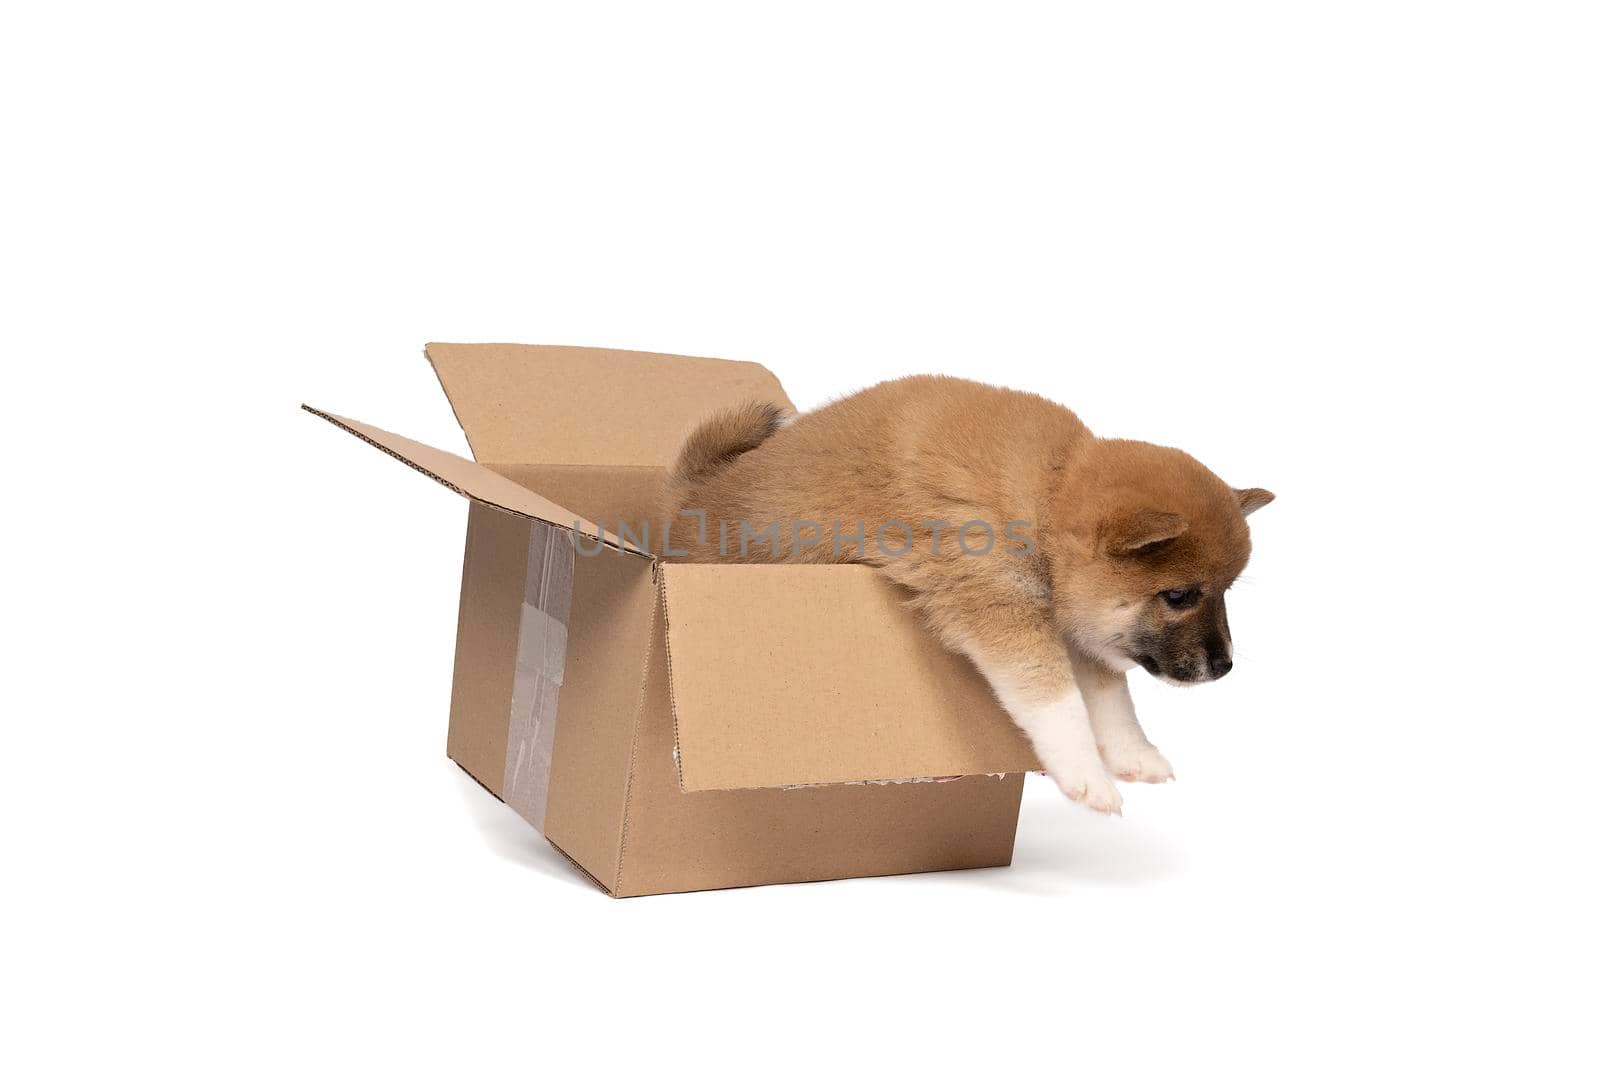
(1220, 664)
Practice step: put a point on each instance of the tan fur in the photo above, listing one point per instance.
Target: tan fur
(722, 438)
(1114, 523)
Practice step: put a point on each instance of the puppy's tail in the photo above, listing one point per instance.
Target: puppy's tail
(724, 437)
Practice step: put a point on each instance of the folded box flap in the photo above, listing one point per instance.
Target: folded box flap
(550, 404)
(471, 480)
(787, 675)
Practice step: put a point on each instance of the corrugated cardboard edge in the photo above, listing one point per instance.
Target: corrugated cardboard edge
(591, 879)
(672, 696)
(658, 618)
(448, 399)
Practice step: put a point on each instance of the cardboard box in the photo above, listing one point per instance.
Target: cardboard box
(672, 727)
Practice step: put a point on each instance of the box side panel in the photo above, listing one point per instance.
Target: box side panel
(677, 841)
(603, 495)
(493, 572)
(613, 605)
(800, 674)
(563, 405)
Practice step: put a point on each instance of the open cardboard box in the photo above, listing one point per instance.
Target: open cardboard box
(672, 727)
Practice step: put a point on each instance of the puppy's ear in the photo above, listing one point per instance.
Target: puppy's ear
(1141, 531)
(1252, 500)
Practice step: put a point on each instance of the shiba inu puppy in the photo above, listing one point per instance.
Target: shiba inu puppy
(1100, 554)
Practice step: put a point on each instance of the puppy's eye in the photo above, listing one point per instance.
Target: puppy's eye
(1180, 598)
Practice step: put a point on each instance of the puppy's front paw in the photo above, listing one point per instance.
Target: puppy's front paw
(1091, 786)
(1137, 763)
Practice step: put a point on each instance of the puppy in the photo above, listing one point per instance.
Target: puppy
(1102, 554)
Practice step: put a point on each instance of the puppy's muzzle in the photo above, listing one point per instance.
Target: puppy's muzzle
(1218, 658)
(1206, 665)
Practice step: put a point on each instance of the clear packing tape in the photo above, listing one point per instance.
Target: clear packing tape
(541, 659)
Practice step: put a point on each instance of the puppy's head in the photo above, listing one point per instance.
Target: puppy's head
(1152, 541)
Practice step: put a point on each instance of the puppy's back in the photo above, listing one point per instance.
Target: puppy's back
(905, 451)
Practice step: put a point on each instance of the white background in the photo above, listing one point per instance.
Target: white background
(1343, 251)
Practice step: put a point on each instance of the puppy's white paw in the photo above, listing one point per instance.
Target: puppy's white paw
(1092, 787)
(1137, 763)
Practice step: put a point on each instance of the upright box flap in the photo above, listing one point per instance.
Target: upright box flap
(471, 480)
(794, 674)
(549, 404)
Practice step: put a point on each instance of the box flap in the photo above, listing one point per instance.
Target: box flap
(549, 404)
(794, 674)
(471, 480)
